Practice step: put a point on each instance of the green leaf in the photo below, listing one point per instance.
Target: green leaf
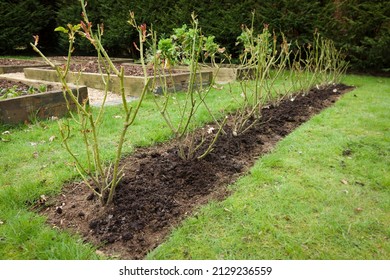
(61, 29)
(76, 27)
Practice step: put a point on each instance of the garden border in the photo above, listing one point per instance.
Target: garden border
(40, 105)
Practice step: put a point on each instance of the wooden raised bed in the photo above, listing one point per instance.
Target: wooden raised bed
(225, 73)
(133, 84)
(41, 105)
(5, 69)
(15, 65)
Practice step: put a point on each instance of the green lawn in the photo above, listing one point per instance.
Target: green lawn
(322, 193)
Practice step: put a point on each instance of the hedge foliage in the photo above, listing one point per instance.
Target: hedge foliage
(360, 27)
(19, 20)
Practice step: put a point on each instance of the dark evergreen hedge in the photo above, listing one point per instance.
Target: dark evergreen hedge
(360, 27)
(19, 20)
(363, 29)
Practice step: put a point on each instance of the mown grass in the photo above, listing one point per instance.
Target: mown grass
(31, 166)
(323, 193)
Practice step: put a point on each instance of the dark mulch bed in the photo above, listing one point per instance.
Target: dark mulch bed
(89, 64)
(6, 84)
(93, 67)
(160, 190)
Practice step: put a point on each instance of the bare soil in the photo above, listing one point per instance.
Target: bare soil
(93, 67)
(160, 189)
(6, 84)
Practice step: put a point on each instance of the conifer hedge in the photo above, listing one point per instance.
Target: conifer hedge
(360, 27)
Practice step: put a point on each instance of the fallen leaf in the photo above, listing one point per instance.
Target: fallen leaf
(99, 253)
(210, 130)
(51, 139)
(1, 222)
(345, 182)
(216, 87)
(358, 210)
(305, 247)
(33, 143)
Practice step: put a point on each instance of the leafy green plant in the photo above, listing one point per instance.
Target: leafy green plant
(167, 52)
(211, 49)
(105, 177)
(15, 91)
(42, 88)
(6, 93)
(187, 46)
